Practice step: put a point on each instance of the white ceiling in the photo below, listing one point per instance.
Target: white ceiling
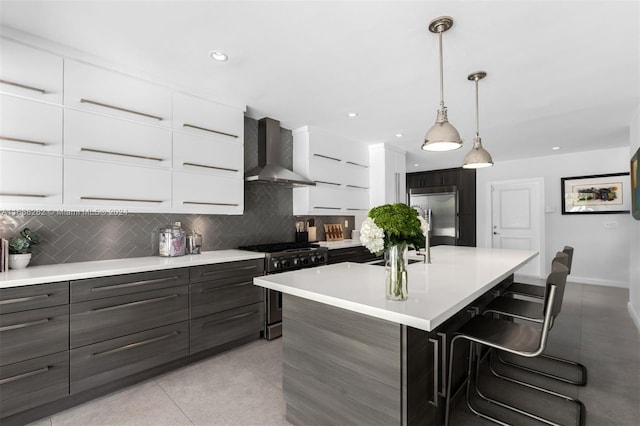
(559, 73)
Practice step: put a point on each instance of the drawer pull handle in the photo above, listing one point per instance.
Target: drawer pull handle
(136, 283)
(24, 86)
(16, 194)
(356, 186)
(443, 359)
(244, 268)
(326, 208)
(144, 114)
(226, 169)
(24, 375)
(205, 203)
(327, 157)
(436, 353)
(24, 325)
(24, 299)
(356, 209)
(136, 344)
(137, 303)
(122, 154)
(235, 317)
(211, 290)
(327, 183)
(209, 130)
(357, 164)
(137, 200)
(6, 138)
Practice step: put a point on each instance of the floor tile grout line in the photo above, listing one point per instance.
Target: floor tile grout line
(174, 402)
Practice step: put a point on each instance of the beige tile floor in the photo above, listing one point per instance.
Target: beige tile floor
(244, 386)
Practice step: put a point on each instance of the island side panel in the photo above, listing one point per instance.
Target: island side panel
(340, 367)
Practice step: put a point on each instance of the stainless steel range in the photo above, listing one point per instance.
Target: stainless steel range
(283, 257)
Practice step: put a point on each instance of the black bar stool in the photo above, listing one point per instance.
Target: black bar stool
(518, 339)
(532, 290)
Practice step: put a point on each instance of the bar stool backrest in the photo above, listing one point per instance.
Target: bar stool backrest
(558, 278)
(569, 251)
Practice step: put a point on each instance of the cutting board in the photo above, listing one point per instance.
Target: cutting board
(333, 232)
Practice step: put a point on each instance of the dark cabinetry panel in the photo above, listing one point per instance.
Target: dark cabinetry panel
(16, 299)
(220, 271)
(358, 254)
(465, 181)
(223, 327)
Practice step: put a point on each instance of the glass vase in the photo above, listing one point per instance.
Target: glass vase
(396, 261)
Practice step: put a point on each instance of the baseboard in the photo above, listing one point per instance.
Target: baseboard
(635, 316)
(530, 279)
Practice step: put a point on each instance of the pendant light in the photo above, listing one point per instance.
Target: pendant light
(478, 157)
(442, 136)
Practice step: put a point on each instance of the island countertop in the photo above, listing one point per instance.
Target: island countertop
(437, 291)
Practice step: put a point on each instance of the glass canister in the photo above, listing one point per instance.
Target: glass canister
(172, 240)
(194, 243)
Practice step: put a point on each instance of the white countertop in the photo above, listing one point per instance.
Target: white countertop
(339, 244)
(455, 278)
(101, 268)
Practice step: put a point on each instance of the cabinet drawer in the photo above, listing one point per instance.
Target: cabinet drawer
(206, 155)
(30, 126)
(109, 92)
(103, 319)
(223, 327)
(114, 359)
(209, 297)
(35, 382)
(20, 189)
(94, 184)
(34, 333)
(15, 299)
(206, 118)
(219, 271)
(118, 285)
(30, 72)
(356, 254)
(100, 137)
(207, 194)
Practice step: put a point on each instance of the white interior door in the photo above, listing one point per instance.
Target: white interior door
(517, 219)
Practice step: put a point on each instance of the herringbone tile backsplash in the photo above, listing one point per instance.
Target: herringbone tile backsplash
(267, 218)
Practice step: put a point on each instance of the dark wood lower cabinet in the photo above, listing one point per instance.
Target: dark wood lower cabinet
(357, 254)
(223, 327)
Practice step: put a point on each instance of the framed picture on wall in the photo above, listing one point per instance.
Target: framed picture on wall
(596, 194)
(635, 185)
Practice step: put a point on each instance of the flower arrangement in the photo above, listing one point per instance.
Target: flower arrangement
(22, 243)
(392, 224)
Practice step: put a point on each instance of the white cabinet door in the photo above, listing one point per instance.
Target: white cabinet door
(101, 137)
(205, 155)
(321, 199)
(30, 180)
(207, 194)
(30, 72)
(109, 92)
(356, 201)
(97, 185)
(326, 170)
(206, 118)
(30, 126)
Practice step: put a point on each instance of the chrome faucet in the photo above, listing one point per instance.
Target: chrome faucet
(426, 215)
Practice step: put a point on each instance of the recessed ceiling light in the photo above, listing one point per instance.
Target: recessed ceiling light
(352, 114)
(218, 56)
(399, 135)
(416, 165)
(555, 148)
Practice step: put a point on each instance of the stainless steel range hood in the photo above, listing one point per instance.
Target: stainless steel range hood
(269, 169)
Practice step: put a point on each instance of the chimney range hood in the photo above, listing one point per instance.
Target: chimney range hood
(269, 154)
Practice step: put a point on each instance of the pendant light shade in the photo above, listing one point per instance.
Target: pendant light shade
(478, 157)
(442, 136)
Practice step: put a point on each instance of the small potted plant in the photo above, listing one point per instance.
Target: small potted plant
(20, 248)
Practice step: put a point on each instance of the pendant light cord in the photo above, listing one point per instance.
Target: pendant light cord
(477, 110)
(441, 71)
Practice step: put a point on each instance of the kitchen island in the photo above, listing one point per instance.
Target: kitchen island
(350, 356)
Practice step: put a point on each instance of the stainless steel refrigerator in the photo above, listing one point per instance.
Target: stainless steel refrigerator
(439, 205)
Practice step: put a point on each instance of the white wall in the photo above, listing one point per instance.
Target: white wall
(601, 254)
(634, 252)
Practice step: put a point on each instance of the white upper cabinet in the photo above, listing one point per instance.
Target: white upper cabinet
(30, 126)
(207, 194)
(29, 181)
(206, 155)
(99, 137)
(388, 175)
(340, 168)
(110, 92)
(103, 186)
(29, 72)
(209, 119)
